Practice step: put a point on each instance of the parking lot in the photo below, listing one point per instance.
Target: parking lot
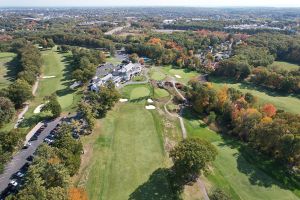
(12, 177)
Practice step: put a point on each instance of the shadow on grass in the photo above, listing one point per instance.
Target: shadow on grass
(261, 169)
(12, 69)
(190, 114)
(157, 187)
(139, 99)
(33, 120)
(64, 92)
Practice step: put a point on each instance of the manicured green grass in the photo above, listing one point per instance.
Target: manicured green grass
(234, 171)
(127, 157)
(287, 103)
(185, 74)
(160, 93)
(157, 75)
(137, 92)
(8, 69)
(55, 64)
(285, 66)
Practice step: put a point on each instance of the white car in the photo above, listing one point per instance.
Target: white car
(13, 182)
(48, 141)
(28, 144)
(20, 174)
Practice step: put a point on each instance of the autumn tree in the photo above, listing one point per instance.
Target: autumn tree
(77, 194)
(269, 110)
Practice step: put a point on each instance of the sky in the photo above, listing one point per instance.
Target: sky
(188, 3)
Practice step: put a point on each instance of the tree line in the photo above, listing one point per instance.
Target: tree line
(253, 64)
(267, 129)
(29, 64)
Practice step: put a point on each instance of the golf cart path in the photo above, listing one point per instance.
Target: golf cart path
(184, 134)
(183, 130)
(25, 109)
(203, 189)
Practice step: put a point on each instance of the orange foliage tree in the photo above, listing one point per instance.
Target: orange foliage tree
(222, 95)
(77, 194)
(269, 110)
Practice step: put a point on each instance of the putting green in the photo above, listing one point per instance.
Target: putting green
(139, 92)
(158, 76)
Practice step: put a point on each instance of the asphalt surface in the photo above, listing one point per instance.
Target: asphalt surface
(19, 159)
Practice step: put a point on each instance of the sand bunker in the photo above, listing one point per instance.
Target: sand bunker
(149, 100)
(38, 109)
(177, 76)
(48, 76)
(123, 100)
(150, 107)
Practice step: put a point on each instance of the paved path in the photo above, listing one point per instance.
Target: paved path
(116, 30)
(25, 109)
(183, 130)
(35, 86)
(181, 96)
(203, 189)
(19, 159)
(20, 115)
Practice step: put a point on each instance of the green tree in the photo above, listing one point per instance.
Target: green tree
(57, 193)
(52, 105)
(191, 156)
(218, 194)
(19, 92)
(7, 110)
(134, 58)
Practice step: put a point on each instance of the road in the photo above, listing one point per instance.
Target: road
(19, 159)
(116, 30)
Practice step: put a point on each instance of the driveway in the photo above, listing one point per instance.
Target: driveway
(19, 159)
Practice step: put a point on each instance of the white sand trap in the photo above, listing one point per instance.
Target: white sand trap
(150, 107)
(149, 100)
(48, 76)
(177, 76)
(38, 109)
(123, 100)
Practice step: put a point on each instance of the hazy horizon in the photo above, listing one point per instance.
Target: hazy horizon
(145, 3)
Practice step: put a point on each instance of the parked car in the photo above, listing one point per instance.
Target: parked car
(19, 174)
(28, 144)
(48, 141)
(30, 158)
(13, 183)
(25, 167)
